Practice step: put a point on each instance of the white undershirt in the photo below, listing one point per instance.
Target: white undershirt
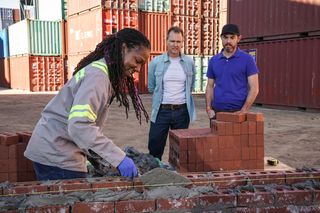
(174, 83)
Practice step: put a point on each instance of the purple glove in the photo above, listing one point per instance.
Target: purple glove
(127, 168)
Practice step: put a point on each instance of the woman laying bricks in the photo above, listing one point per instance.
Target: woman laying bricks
(70, 128)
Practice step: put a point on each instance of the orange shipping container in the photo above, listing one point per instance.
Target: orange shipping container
(4, 72)
(87, 29)
(73, 60)
(37, 73)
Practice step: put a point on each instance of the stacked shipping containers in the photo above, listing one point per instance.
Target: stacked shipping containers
(199, 21)
(4, 59)
(284, 37)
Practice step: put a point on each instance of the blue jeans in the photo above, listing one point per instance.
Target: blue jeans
(166, 119)
(44, 172)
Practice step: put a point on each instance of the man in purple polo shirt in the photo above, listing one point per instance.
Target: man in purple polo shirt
(232, 76)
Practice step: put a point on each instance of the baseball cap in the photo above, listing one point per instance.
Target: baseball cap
(230, 29)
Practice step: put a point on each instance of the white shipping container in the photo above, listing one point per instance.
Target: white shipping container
(50, 10)
(18, 38)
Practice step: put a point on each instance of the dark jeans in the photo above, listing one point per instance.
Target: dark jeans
(166, 118)
(44, 172)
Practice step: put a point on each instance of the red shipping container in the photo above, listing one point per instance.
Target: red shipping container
(87, 29)
(5, 72)
(142, 83)
(274, 17)
(289, 73)
(206, 8)
(37, 73)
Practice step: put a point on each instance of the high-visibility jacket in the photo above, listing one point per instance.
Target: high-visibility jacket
(71, 123)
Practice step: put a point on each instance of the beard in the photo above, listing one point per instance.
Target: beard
(229, 48)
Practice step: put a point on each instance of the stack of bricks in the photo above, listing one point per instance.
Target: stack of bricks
(234, 141)
(14, 167)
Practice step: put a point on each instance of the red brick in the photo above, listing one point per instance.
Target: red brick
(316, 196)
(191, 144)
(47, 209)
(4, 165)
(4, 152)
(183, 167)
(245, 153)
(266, 177)
(249, 164)
(211, 154)
(183, 157)
(8, 139)
(192, 167)
(231, 117)
(24, 137)
(199, 179)
(70, 186)
(93, 207)
(211, 166)
(252, 141)
(218, 127)
(199, 167)
(115, 184)
(192, 157)
(16, 151)
(18, 165)
(260, 153)
(245, 128)
(252, 127)
(4, 176)
(255, 116)
(221, 200)
(135, 206)
(260, 164)
(260, 127)
(236, 128)
(260, 140)
(257, 198)
(26, 188)
(227, 165)
(253, 153)
(176, 204)
(299, 176)
(293, 197)
(244, 139)
(226, 142)
(229, 128)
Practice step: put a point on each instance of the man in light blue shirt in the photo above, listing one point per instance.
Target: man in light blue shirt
(171, 78)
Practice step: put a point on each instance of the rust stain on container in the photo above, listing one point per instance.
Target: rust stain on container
(274, 17)
(289, 72)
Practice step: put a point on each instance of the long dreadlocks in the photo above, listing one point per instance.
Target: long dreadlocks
(111, 50)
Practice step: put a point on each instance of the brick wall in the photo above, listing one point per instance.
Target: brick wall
(13, 165)
(234, 141)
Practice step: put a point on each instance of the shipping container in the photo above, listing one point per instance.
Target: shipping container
(205, 8)
(4, 43)
(155, 27)
(37, 73)
(4, 72)
(201, 64)
(289, 71)
(36, 37)
(142, 83)
(73, 61)
(88, 29)
(159, 6)
(52, 10)
(6, 17)
(274, 17)
(79, 6)
(210, 37)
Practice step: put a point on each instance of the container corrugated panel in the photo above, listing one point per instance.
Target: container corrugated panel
(35, 37)
(274, 17)
(4, 72)
(159, 6)
(4, 43)
(6, 17)
(191, 27)
(121, 4)
(289, 72)
(186, 7)
(201, 64)
(142, 84)
(37, 73)
(77, 6)
(210, 36)
(73, 61)
(50, 10)
(155, 27)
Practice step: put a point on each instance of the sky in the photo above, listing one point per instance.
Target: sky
(9, 4)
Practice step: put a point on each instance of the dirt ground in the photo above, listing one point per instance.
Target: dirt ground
(291, 136)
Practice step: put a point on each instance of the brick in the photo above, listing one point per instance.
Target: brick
(266, 177)
(183, 157)
(26, 188)
(115, 184)
(244, 139)
(229, 128)
(192, 167)
(260, 140)
(183, 167)
(199, 167)
(236, 128)
(8, 139)
(4, 176)
(300, 176)
(252, 127)
(316, 197)
(249, 164)
(260, 127)
(163, 204)
(227, 165)
(47, 209)
(199, 179)
(231, 117)
(18, 165)
(253, 153)
(260, 153)
(4, 165)
(93, 207)
(218, 127)
(293, 197)
(70, 186)
(257, 198)
(192, 157)
(135, 206)
(211, 154)
(16, 151)
(260, 164)
(245, 153)
(229, 179)
(220, 200)
(191, 144)
(245, 128)
(211, 166)
(226, 142)
(24, 137)
(255, 116)
(4, 152)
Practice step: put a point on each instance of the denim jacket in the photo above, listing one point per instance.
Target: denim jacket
(156, 70)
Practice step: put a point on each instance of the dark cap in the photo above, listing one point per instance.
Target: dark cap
(230, 29)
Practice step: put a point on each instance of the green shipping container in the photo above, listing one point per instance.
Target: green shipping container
(201, 64)
(36, 37)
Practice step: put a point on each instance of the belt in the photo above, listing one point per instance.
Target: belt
(172, 106)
